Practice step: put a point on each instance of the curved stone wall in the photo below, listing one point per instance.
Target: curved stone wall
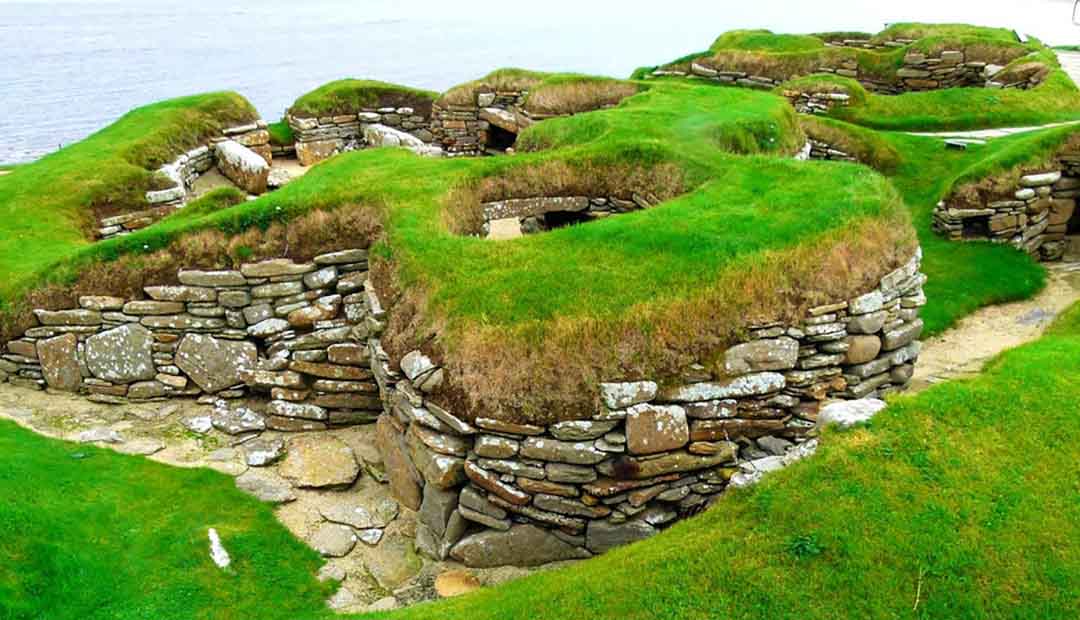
(491, 492)
(289, 337)
(1034, 215)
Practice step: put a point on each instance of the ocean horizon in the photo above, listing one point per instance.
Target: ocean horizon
(74, 67)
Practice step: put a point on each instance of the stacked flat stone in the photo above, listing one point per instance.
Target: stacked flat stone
(492, 492)
(181, 174)
(292, 336)
(823, 150)
(463, 129)
(1035, 218)
(816, 103)
(318, 138)
(920, 72)
(529, 212)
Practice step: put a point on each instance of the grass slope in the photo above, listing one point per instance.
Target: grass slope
(46, 206)
(93, 535)
(960, 502)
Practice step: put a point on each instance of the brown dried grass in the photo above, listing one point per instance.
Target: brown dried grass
(549, 373)
(301, 239)
(575, 97)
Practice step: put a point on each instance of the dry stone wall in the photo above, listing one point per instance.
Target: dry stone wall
(318, 138)
(1035, 217)
(491, 492)
(252, 139)
(475, 128)
(539, 214)
(919, 72)
(287, 339)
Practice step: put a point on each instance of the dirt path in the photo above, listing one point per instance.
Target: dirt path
(964, 350)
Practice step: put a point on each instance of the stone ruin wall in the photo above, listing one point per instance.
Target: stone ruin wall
(318, 138)
(919, 72)
(1035, 218)
(490, 492)
(185, 169)
(522, 216)
(286, 342)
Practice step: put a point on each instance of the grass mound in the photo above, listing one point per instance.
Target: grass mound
(350, 96)
(47, 207)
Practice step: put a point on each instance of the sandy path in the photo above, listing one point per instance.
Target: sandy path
(964, 350)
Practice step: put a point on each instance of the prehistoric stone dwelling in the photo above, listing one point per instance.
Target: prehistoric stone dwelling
(1034, 211)
(299, 347)
(243, 154)
(296, 347)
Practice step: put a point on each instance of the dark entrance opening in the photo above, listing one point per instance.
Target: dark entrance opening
(977, 228)
(558, 219)
(499, 139)
(1073, 227)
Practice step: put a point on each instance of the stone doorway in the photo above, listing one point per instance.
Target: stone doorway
(977, 227)
(499, 140)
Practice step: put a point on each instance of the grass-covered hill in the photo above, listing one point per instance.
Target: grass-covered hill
(743, 232)
(796, 59)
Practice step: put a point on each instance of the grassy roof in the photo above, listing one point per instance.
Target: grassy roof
(350, 96)
(46, 207)
(766, 41)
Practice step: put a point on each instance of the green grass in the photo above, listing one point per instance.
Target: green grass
(572, 272)
(46, 206)
(964, 277)
(766, 41)
(281, 134)
(960, 502)
(349, 96)
(91, 534)
(1055, 100)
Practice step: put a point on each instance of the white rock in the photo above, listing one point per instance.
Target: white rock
(217, 551)
(847, 413)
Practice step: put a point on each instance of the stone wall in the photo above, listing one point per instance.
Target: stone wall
(816, 103)
(533, 215)
(822, 150)
(491, 492)
(919, 72)
(468, 129)
(290, 338)
(1035, 217)
(319, 138)
(181, 174)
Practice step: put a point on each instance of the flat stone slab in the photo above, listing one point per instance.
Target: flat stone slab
(319, 461)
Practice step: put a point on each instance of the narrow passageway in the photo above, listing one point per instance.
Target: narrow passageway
(963, 350)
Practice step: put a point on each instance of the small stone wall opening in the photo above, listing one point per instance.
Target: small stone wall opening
(499, 140)
(560, 219)
(977, 228)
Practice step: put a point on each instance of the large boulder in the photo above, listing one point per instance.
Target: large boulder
(215, 364)
(243, 166)
(59, 362)
(122, 355)
(521, 545)
(377, 135)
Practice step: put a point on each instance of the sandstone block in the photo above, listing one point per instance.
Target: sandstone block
(248, 170)
(59, 362)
